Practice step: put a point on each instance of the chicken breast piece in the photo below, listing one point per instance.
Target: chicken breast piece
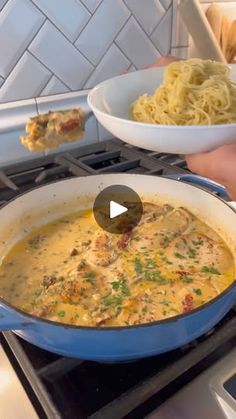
(49, 131)
(199, 251)
(158, 234)
(103, 250)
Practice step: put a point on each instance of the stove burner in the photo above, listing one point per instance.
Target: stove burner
(70, 388)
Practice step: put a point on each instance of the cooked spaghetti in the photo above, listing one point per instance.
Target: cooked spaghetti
(193, 92)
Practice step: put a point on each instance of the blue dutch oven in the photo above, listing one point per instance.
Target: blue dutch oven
(115, 343)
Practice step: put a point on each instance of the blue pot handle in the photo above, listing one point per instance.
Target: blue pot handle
(11, 320)
(202, 181)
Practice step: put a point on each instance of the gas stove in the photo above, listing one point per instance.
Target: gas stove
(56, 387)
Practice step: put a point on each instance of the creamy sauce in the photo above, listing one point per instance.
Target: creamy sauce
(73, 272)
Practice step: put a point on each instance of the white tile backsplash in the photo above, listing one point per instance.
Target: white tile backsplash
(102, 28)
(114, 62)
(161, 37)
(19, 22)
(2, 3)
(70, 16)
(78, 43)
(132, 40)
(26, 80)
(149, 16)
(91, 4)
(54, 87)
(166, 3)
(60, 56)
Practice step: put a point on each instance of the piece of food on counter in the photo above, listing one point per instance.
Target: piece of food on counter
(52, 129)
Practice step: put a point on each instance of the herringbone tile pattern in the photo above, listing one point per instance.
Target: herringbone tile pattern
(51, 46)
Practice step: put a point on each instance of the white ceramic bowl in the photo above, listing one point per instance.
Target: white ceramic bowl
(110, 101)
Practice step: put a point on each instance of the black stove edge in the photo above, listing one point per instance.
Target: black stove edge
(139, 394)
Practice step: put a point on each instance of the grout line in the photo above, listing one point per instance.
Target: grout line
(53, 23)
(140, 24)
(86, 58)
(172, 20)
(25, 49)
(95, 65)
(92, 13)
(126, 56)
(36, 104)
(166, 11)
(109, 46)
(46, 84)
(124, 24)
(147, 35)
(3, 6)
(49, 70)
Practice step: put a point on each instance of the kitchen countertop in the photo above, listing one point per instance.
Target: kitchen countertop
(15, 403)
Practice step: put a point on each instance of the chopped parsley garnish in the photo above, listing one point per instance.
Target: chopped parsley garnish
(174, 310)
(89, 276)
(136, 238)
(112, 300)
(197, 291)
(150, 264)
(165, 302)
(164, 259)
(191, 253)
(38, 292)
(211, 270)
(186, 279)
(166, 241)
(156, 277)
(138, 265)
(121, 286)
(61, 313)
(198, 242)
(149, 271)
(178, 255)
(118, 311)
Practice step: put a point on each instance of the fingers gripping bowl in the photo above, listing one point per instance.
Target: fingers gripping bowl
(194, 130)
(114, 339)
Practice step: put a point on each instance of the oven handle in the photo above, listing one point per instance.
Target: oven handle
(201, 181)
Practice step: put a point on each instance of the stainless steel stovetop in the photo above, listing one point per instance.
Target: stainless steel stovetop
(192, 382)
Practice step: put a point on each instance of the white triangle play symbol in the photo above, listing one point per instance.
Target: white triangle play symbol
(116, 209)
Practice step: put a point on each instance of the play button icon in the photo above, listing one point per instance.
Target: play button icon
(117, 209)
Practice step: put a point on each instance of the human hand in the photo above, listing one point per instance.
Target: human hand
(164, 61)
(218, 165)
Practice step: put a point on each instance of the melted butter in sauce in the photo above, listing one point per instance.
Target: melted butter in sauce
(73, 272)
